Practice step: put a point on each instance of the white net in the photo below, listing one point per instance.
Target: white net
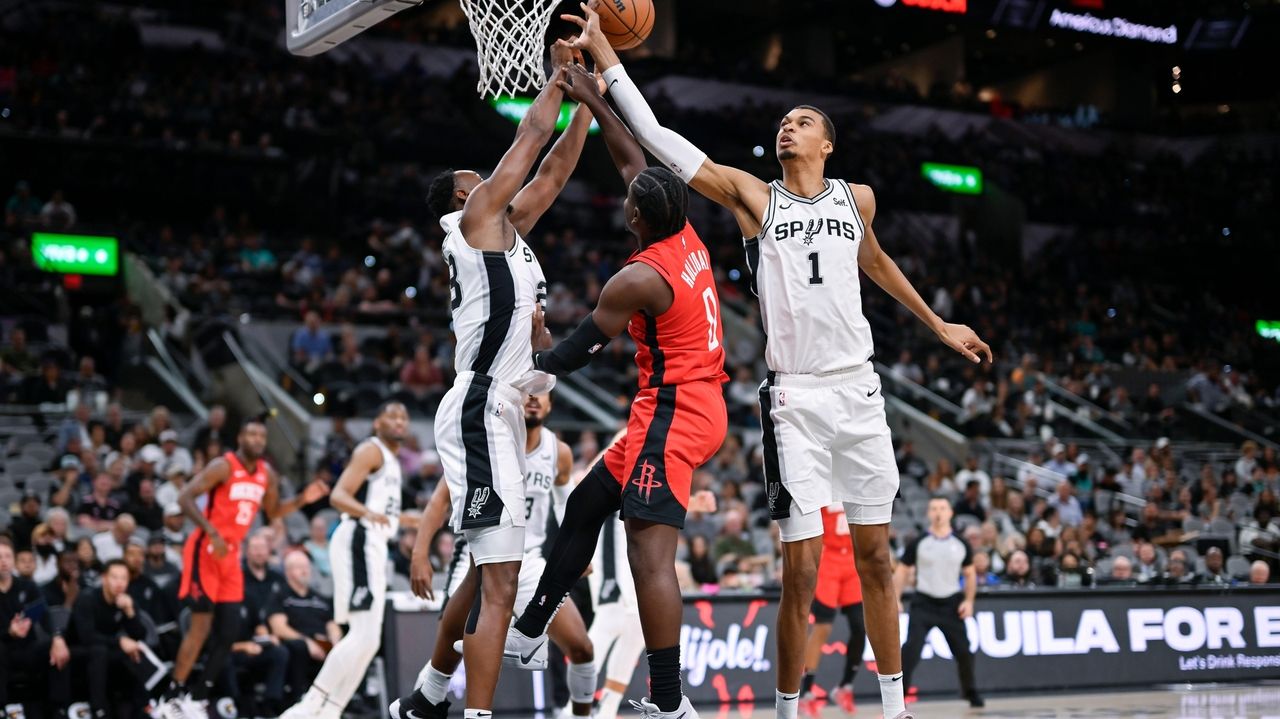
(510, 43)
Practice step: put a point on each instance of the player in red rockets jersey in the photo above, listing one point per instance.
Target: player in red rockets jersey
(839, 590)
(238, 485)
(665, 298)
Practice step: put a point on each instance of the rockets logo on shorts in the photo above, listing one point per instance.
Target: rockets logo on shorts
(645, 481)
(478, 499)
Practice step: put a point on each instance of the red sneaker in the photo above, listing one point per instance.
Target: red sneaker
(912, 696)
(843, 697)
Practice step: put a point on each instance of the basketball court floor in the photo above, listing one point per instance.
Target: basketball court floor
(1254, 701)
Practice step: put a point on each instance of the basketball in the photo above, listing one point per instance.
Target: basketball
(626, 22)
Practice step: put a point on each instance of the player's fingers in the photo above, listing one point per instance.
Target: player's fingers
(576, 20)
(565, 87)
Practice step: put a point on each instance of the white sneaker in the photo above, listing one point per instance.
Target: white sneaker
(169, 709)
(520, 651)
(311, 705)
(191, 709)
(649, 710)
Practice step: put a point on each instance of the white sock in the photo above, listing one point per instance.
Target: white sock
(477, 714)
(609, 702)
(436, 686)
(891, 690)
(787, 704)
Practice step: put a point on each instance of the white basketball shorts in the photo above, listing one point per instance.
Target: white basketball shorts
(826, 440)
(358, 556)
(480, 436)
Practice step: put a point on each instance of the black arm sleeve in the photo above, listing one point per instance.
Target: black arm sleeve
(573, 352)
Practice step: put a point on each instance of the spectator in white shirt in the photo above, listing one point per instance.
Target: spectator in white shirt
(907, 369)
(972, 473)
(1059, 464)
(175, 457)
(110, 544)
(1248, 459)
(57, 213)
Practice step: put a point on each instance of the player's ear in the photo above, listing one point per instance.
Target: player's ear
(828, 148)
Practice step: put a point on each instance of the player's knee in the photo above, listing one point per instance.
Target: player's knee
(875, 564)
(579, 650)
(500, 584)
(800, 576)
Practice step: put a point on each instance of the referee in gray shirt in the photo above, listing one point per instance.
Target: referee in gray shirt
(940, 559)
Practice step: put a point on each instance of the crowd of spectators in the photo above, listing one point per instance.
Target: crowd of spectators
(91, 540)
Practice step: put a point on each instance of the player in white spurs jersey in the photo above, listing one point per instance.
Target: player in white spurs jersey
(368, 495)
(825, 435)
(495, 282)
(548, 462)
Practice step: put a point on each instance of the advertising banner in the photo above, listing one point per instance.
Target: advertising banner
(1023, 641)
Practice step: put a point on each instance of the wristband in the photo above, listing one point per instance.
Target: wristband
(574, 351)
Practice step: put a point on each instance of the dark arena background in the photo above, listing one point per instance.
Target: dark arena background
(207, 219)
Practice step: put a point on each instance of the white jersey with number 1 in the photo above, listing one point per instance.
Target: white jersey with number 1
(804, 266)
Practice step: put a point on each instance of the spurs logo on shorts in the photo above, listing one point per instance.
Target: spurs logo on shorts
(478, 499)
(774, 488)
(645, 482)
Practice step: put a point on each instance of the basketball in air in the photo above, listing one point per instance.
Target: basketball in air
(626, 22)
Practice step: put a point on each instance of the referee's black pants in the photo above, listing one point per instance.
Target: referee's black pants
(926, 613)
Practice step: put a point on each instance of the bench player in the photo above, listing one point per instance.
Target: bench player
(368, 495)
(824, 429)
(238, 483)
(665, 298)
(548, 462)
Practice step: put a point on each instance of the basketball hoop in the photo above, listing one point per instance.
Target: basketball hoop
(510, 43)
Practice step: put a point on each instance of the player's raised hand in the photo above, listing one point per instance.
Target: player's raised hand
(591, 35)
(564, 54)
(580, 84)
(964, 340)
(541, 335)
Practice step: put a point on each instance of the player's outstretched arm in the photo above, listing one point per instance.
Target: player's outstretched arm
(537, 196)
(636, 287)
(627, 154)
(563, 485)
(366, 460)
(488, 202)
(276, 508)
(740, 192)
(881, 268)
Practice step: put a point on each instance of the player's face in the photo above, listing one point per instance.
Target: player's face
(464, 181)
(393, 423)
(630, 215)
(253, 440)
(536, 409)
(801, 135)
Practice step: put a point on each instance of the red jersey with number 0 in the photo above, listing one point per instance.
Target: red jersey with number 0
(685, 343)
(234, 503)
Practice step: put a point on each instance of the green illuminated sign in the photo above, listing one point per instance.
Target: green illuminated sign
(76, 254)
(1269, 329)
(515, 108)
(953, 178)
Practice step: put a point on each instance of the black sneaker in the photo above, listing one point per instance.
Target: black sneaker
(975, 701)
(416, 706)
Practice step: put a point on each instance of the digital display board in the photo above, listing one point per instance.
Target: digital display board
(76, 254)
(961, 179)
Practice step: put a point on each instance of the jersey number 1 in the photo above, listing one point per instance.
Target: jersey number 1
(709, 301)
(815, 278)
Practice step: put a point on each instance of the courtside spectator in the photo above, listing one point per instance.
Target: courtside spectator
(110, 544)
(22, 526)
(1017, 571)
(106, 636)
(1215, 571)
(1259, 572)
(30, 645)
(99, 509)
(303, 621)
(162, 571)
(64, 588)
